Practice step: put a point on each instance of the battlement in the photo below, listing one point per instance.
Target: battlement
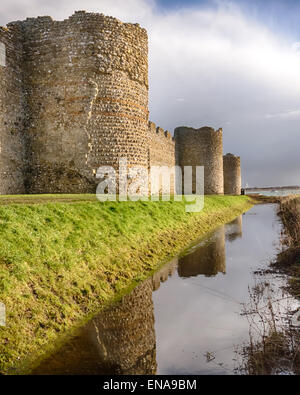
(158, 131)
(77, 16)
(231, 156)
(204, 129)
(114, 44)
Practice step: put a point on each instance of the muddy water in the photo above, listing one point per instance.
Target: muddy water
(188, 318)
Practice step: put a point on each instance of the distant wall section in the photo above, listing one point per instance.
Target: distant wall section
(161, 146)
(161, 149)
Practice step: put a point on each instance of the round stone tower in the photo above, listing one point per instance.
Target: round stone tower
(232, 174)
(86, 83)
(202, 147)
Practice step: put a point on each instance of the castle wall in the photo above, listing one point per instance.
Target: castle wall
(161, 147)
(202, 147)
(11, 111)
(161, 150)
(86, 79)
(74, 97)
(232, 174)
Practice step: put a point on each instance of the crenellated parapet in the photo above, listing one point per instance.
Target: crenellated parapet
(161, 146)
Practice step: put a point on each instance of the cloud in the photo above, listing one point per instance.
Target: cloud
(290, 114)
(296, 46)
(214, 65)
(61, 9)
(232, 71)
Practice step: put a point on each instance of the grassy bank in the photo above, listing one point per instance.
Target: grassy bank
(61, 261)
(289, 260)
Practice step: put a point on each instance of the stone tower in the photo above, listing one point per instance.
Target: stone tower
(232, 174)
(85, 80)
(202, 147)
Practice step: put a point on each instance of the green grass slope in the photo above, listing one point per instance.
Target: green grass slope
(62, 258)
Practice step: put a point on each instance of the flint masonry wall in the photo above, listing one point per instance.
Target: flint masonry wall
(232, 174)
(86, 81)
(11, 111)
(161, 149)
(202, 147)
(161, 146)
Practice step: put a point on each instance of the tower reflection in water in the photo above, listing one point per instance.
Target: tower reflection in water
(121, 340)
(234, 229)
(207, 258)
(164, 273)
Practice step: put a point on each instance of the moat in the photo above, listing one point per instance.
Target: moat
(190, 317)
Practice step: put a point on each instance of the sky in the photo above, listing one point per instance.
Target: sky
(220, 63)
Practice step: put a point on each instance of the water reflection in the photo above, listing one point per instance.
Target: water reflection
(197, 311)
(164, 273)
(234, 229)
(121, 340)
(206, 258)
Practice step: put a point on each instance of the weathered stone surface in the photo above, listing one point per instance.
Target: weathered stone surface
(232, 174)
(85, 81)
(161, 149)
